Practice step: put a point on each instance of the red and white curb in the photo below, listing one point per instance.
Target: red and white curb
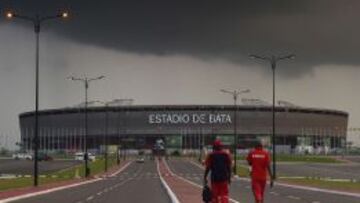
(120, 170)
(24, 196)
(298, 186)
(190, 182)
(171, 194)
(48, 191)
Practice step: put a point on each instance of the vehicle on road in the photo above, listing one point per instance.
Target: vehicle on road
(80, 156)
(140, 160)
(44, 157)
(22, 156)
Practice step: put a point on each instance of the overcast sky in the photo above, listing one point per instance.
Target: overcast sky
(182, 52)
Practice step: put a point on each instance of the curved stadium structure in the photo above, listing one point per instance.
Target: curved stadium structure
(183, 126)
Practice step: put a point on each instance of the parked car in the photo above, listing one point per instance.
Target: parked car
(22, 156)
(304, 149)
(80, 156)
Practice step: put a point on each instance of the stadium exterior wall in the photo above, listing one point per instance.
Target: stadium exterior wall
(64, 128)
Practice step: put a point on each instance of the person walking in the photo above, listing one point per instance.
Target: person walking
(218, 163)
(259, 161)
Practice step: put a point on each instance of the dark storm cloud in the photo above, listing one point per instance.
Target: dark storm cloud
(318, 32)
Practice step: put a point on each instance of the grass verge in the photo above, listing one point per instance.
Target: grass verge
(325, 184)
(346, 186)
(303, 158)
(96, 167)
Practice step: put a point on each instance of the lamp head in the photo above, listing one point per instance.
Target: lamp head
(65, 14)
(9, 15)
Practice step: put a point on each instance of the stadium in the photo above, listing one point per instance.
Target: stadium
(184, 126)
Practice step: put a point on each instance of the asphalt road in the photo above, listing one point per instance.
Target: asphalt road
(137, 183)
(25, 167)
(241, 190)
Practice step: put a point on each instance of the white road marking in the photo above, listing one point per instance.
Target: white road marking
(90, 198)
(121, 169)
(293, 197)
(61, 187)
(171, 194)
(274, 193)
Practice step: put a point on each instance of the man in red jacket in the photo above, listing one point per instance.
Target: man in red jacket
(219, 163)
(259, 160)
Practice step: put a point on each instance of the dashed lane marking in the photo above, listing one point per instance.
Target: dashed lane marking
(274, 193)
(293, 197)
(90, 198)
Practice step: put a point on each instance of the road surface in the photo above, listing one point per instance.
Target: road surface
(137, 183)
(241, 190)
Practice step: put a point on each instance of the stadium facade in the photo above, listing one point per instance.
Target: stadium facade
(183, 126)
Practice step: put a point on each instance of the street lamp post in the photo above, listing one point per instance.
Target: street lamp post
(86, 82)
(273, 61)
(106, 104)
(118, 134)
(36, 20)
(235, 94)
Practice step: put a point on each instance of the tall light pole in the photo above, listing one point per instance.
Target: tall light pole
(273, 61)
(106, 104)
(86, 82)
(235, 94)
(36, 20)
(119, 138)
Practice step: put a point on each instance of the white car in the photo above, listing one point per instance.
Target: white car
(140, 160)
(79, 156)
(23, 156)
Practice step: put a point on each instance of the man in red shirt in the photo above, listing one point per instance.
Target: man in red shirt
(219, 163)
(259, 160)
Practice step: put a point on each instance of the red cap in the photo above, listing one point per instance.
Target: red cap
(217, 143)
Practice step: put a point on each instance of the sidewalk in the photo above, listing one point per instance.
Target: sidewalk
(184, 191)
(51, 186)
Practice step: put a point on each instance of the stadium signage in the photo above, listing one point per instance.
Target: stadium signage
(183, 118)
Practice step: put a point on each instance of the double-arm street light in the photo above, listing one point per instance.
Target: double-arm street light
(273, 61)
(86, 82)
(235, 94)
(37, 21)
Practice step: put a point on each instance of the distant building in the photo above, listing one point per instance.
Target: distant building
(185, 126)
(353, 135)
